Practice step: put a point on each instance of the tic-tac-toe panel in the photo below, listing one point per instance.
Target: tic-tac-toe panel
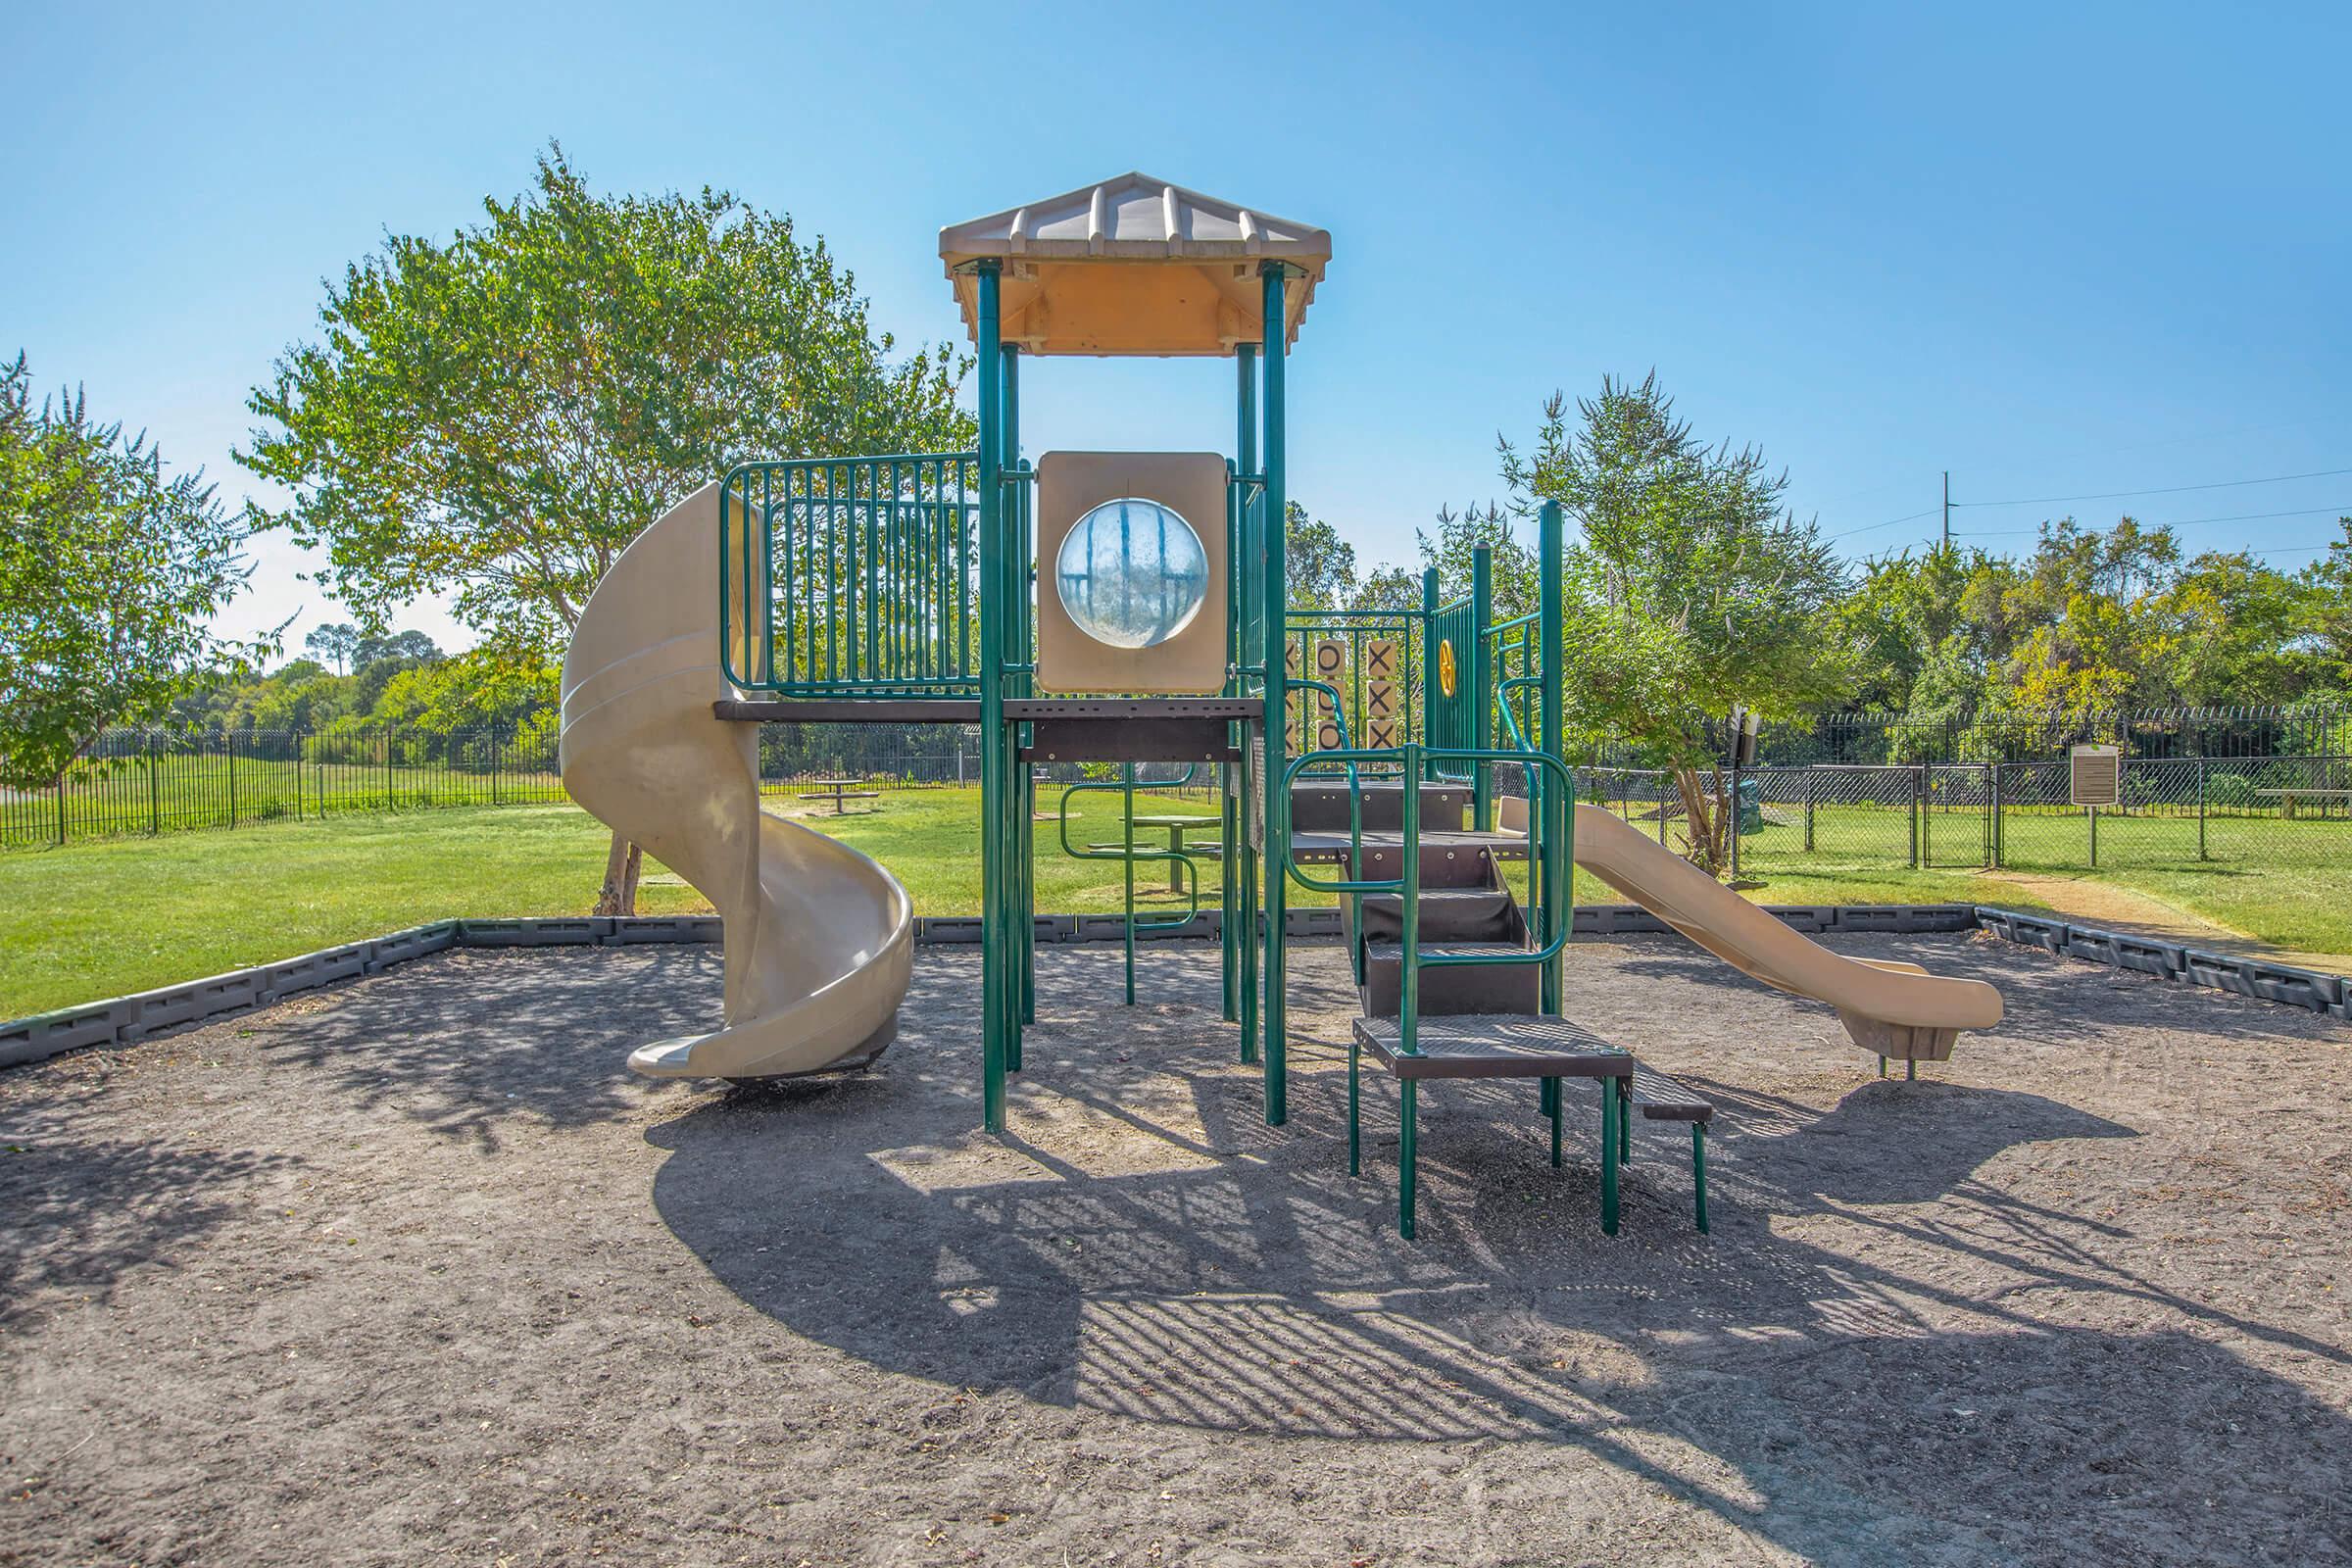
(1131, 572)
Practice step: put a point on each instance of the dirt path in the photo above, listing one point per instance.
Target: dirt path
(2102, 903)
(415, 1271)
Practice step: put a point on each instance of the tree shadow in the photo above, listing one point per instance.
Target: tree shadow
(464, 1043)
(1146, 1246)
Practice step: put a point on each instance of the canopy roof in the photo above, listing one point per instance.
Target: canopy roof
(1134, 265)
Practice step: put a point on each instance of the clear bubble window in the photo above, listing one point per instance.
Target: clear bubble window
(1132, 573)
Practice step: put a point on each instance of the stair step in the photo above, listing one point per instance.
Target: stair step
(1496, 1044)
(1322, 804)
(1447, 915)
(1377, 951)
(1448, 990)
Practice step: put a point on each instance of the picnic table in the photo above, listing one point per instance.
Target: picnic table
(838, 791)
(2286, 798)
(1178, 823)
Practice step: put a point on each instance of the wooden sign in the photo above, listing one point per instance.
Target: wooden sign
(1331, 667)
(1380, 733)
(1379, 659)
(1291, 703)
(2095, 775)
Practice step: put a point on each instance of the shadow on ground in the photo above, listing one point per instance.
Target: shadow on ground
(1883, 1349)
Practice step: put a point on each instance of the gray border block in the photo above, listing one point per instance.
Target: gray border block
(171, 1007)
(1310, 922)
(629, 930)
(52, 1034)
(1099, 928)
(587, 931)
(952, 929)
(310, 970)
(414, 942)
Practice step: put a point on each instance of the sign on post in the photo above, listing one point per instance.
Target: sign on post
(2095, 775)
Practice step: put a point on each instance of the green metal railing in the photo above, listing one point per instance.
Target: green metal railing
(1551, 847)
(1182, 862)
(852, 576)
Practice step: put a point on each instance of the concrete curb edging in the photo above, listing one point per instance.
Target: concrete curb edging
(123, 1020)
(2312, 990)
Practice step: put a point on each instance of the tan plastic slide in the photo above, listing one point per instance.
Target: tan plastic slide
(819, 938)
(1891, 1010)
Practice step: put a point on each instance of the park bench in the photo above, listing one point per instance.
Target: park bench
(2286, 798)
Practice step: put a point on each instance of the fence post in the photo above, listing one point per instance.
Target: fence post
(228, 744)
(1997, 846)
(61, 807)
(492, 743)
(1812, 788)
(155, 791)
(2094, 836)
(1918, 776)
(2201, 808)
(294, 739)
(1735, 810)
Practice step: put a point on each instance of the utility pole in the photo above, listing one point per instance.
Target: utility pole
(1947, 509)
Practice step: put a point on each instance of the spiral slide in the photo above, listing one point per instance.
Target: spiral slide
(1891, 1010)
(819, 938)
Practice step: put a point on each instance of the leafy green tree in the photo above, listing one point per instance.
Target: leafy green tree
(1318, 565)
(1691, 588)
(110, 573)
(495, 415)
(335, 641)
(1511, 564)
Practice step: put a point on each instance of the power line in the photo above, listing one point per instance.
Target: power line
(1889, 524)
(2168, 490)
(2177, 522)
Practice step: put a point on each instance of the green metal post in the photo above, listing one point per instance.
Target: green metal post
(1408, 901)
(1552, 1108)
(1698, 1173)
(1276, 596)
(1024, 790)
(998, 956)
(1560, 814)
(1482, 685)
(1355, 1104)
(1610, 1111)
(1127, 866)
(1249, 583)
(1407, 1147)
(1432, 697)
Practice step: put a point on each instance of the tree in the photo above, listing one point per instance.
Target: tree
(498, 415)
(336, 641)
(1511, 565)
(1690, 589)
(1318, 565)
(110, 574)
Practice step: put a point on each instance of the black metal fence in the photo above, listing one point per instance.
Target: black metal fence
(2219, 735)
(2285, 812)
(134, 782)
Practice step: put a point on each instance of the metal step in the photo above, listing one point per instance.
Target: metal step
(1321, 806)
(1447, 915)
(1448, 860)
(1495, 1046)
(1516, 987)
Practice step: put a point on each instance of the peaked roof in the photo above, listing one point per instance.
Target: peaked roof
(1134, 265)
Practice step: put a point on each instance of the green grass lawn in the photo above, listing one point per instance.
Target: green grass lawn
(94, 920)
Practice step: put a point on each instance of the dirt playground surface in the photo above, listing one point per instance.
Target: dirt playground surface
(415, 1271)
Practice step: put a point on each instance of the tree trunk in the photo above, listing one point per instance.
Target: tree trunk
(618, 895)
(1705, 815)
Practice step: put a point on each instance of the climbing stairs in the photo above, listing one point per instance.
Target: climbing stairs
(1466, 905)
(1475, 1021)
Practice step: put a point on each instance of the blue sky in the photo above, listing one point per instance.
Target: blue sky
(2060, 250)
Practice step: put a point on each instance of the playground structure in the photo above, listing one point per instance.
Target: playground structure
(1128, 608)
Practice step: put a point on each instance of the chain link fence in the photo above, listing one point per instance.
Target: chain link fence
(146, 782)
(2283, 812)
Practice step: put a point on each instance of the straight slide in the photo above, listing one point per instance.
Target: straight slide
(820, 939)
(1891, 1010)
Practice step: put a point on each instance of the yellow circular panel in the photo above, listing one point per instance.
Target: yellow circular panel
(1445, 674)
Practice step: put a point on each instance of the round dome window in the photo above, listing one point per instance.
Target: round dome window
(1132, 573)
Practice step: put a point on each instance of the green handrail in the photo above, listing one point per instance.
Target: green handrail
(1407, 883)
